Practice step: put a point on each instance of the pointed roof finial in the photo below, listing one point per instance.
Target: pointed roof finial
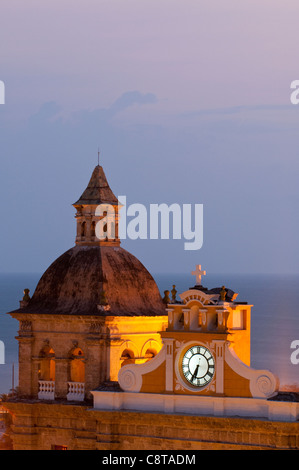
(98, 157)
(98, 190)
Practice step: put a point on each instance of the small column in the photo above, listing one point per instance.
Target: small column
(26, 340)
(186, 312)
(219, 364)
(61, 376)
(25, 366)
(170, 318)
(222, 320)
(34, 381)
(97, 363)
(88, 219)
(204, 322)
(168, 344)
(78, 237)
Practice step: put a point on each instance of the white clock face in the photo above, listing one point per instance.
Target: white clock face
(198, 366)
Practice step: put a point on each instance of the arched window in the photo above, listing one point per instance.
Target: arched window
(77, 366)
(149, 354)
(83, 229)
(127, 357)
(46, 370)
(149, 350)
(93, 229)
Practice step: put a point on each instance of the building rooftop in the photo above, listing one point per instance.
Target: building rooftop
(96, 280)
(98, 190)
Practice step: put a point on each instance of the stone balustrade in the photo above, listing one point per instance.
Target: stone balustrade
(76, 391)
(46, 389)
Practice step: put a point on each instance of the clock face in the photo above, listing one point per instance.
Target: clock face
(198, 366)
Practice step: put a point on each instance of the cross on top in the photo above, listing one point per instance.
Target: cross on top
(198, 273)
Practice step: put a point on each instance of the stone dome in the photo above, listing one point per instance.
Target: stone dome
(97, 276)
(97, 280)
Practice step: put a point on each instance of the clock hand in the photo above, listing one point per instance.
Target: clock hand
(195, 373)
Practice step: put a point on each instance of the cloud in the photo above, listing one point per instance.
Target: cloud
(130, 98)
(238, 110)
(224, 161)
(47, 111)
(50, 111)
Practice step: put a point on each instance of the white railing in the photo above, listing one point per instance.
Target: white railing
(46, 389)
(76, 391)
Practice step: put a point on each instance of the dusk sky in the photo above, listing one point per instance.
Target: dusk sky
(189, 102)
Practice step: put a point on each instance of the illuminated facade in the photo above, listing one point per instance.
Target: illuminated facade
(106, 364)
(95, 309)
(206, 350)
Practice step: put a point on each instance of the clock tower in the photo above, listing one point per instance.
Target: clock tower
(206, 349)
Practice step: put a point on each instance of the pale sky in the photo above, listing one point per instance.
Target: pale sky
(189, 102)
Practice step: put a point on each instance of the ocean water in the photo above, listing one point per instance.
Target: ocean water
(274, 321)
(11, 292)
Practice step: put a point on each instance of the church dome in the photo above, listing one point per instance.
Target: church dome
(97, 280)
(97, 276)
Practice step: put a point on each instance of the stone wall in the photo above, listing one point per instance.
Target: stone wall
(101, 339)
(40, 426)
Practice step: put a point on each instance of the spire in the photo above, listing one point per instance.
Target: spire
(97, 192)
